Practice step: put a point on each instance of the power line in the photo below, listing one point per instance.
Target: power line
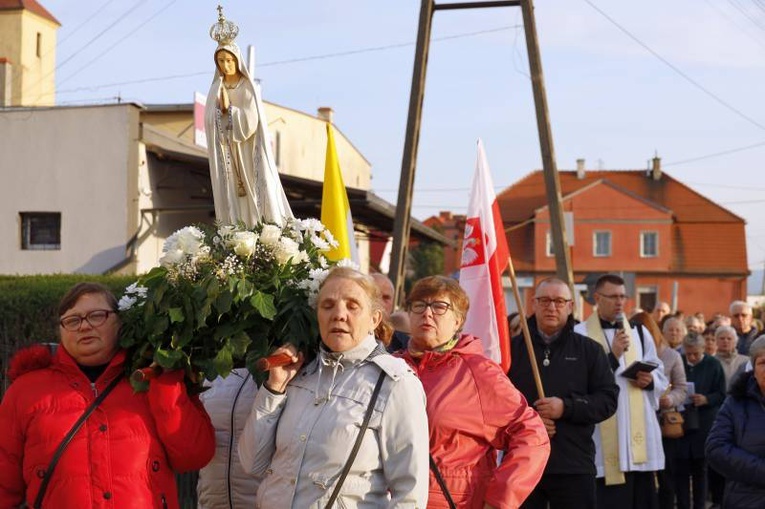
(82, 48)
(744, 29)
(745, 12)
(107, 50)
(677, 69)
(301, 59)
(715, 154)
(78, 27)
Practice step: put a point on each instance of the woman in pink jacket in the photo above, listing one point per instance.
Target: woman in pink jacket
(473, 408)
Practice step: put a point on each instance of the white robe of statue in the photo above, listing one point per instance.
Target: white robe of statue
(240, 154)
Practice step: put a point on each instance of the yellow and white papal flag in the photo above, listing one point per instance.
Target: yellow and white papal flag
(335, 209)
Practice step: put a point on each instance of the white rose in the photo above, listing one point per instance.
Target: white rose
(171, 258)
(244, 243)
(286, 249)
(270, 235)
(190, 239)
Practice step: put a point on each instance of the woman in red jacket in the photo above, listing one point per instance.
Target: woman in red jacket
(473, 408)
(126, 452)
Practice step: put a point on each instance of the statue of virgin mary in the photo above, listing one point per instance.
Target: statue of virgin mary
(245, 182)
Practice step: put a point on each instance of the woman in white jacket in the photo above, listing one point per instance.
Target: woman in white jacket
(223, 483)
(305, 419)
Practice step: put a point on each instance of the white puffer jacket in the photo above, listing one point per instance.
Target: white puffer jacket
(223, 483)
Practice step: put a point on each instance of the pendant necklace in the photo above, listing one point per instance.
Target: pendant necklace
(546, 361)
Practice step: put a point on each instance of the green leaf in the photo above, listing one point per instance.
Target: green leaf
(223, 302)
(224, 361)
(176, 315)
(239, 344)
(169, 359)
(264, 304)
(245, 289)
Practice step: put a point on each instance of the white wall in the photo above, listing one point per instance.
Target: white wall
(79, 162)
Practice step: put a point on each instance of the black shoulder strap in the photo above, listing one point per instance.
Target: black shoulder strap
(68, 438)
(357, 444)
(640, 333)
(442, 483)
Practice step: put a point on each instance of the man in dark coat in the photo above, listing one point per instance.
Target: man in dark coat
(580, 391)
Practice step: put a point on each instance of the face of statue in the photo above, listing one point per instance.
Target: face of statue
(227, 63)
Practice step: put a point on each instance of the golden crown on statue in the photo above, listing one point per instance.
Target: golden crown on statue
(224, 31)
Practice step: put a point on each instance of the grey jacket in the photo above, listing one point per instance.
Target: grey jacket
(223, 484)
(299, 442)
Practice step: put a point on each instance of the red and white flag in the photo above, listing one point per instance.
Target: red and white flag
(484, 259)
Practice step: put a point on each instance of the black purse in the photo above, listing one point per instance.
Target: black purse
(68, 438)
(690, 419)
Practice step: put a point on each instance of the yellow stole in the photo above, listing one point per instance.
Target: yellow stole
(609, 433)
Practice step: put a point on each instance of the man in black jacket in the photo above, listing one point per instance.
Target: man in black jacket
(580, 391)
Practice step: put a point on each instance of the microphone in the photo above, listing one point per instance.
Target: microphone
(619, 321)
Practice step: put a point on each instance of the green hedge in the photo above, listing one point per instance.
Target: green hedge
(28, 309)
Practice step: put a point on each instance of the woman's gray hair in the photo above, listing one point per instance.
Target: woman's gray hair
(726, 328)
(693, 340)
(673, 319)
(757, 349)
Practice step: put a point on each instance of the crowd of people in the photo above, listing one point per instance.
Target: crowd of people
(403, 409)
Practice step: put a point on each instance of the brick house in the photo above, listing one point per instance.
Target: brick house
(666, 239)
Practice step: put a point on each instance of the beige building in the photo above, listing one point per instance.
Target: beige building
(27, 54)
(96, 189)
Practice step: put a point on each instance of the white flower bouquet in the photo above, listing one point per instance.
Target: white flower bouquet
(226, 294)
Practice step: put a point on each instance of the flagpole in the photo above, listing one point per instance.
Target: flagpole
(525, 329)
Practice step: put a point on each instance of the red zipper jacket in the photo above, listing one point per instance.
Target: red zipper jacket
(125, 454)
(473, 411)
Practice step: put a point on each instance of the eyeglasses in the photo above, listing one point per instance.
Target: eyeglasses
(438, 307)
(95, 318)
(741, 315)
(615, 297)
(546, 301)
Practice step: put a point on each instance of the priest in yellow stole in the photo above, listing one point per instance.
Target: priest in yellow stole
(628, 445)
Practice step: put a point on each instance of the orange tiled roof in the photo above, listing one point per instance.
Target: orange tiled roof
(697, 247)
(30, 5)
(518, 202)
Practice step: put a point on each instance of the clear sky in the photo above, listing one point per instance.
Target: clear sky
(683, 79)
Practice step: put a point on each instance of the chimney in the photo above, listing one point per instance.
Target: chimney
(6, 73)
(326, 113)
(580, 169)
(656, 169)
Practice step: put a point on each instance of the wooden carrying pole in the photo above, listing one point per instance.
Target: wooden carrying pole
(525, 329)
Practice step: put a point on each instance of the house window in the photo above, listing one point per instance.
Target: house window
(647, 297)
(39, 45)
(601, 243)
(40, 230)
(649, 244)
(549, 245)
